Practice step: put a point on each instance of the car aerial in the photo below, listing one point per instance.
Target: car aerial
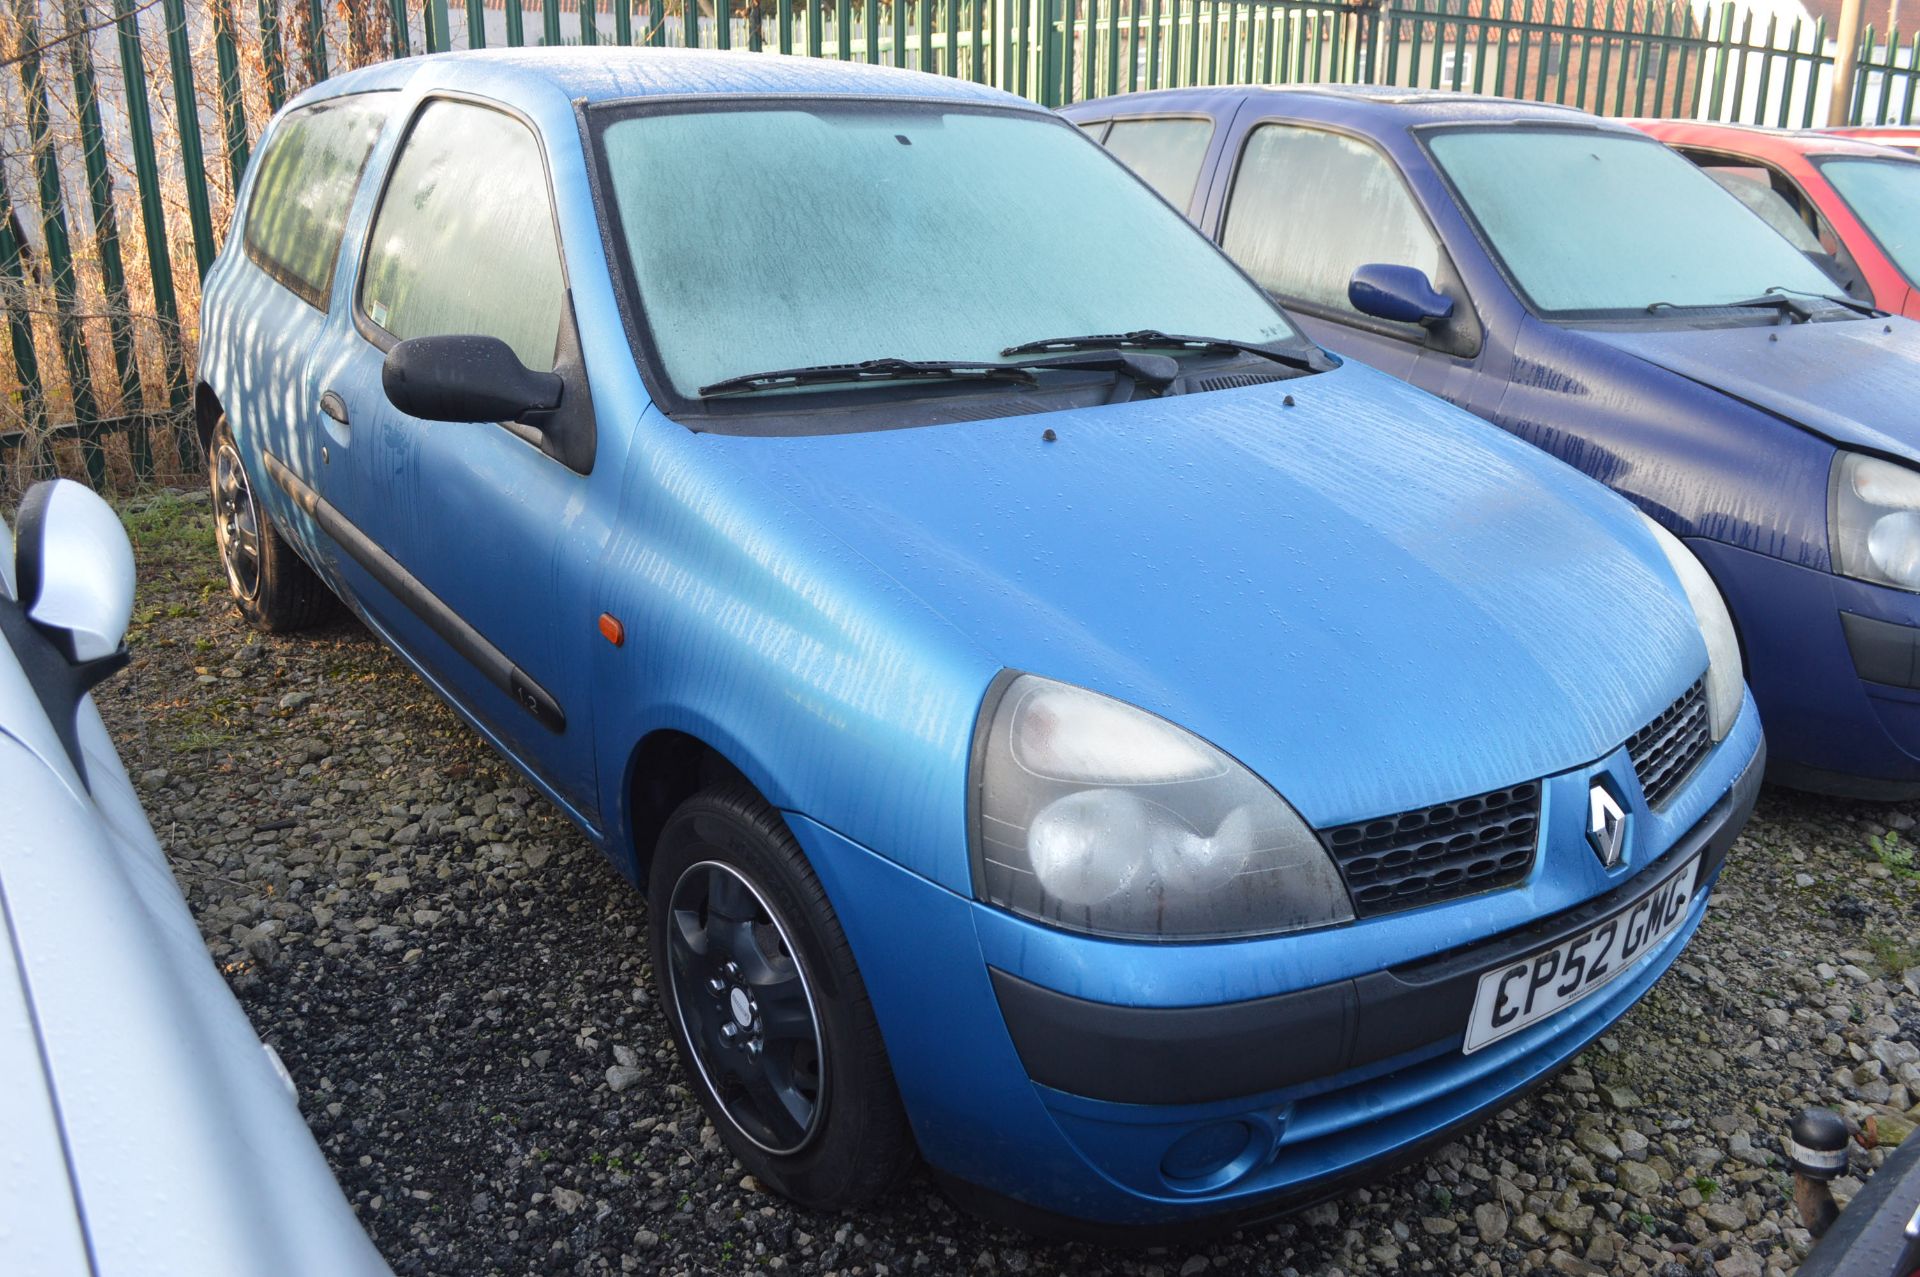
(1854, 205)
(148, 1130)
(1064, 722)
(1603, 299)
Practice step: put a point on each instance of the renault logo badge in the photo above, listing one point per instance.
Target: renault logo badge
(1606, 824)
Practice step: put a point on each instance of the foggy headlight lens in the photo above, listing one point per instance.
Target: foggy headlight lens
(1726, 685)
(1873, 521)
(1099, 817)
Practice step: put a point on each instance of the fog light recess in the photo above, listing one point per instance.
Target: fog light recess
(1213, 1156)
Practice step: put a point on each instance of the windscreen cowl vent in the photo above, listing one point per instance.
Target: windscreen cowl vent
(1229, 381)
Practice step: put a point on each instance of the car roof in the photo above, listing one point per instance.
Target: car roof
(1759, 141)
(1370, 106)
(609, 73)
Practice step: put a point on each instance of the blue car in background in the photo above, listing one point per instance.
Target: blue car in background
(1607, 301)
(1066, 723)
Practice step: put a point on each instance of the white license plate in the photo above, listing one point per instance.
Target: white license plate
(1529, 989)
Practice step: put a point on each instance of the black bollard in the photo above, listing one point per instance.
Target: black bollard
(1817, 1150)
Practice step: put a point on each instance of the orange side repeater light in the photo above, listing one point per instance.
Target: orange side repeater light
(611, 630)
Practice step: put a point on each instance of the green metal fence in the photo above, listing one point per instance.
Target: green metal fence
(127, 125)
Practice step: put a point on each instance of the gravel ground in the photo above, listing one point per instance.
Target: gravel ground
(458, 983)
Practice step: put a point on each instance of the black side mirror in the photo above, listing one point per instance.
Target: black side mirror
(466, 378)
(1402, 294)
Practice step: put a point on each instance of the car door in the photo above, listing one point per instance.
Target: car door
(1307, 205)
(464, 541)
(303, 186)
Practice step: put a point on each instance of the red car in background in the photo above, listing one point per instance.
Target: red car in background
(1901, 137)
(1852, 206)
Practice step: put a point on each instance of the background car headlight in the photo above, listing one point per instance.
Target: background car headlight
(1096, 816)
(1725, 679)
(1873, 521)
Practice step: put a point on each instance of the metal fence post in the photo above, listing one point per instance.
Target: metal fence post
(153, 224)
(192, 160)
(53, 229)
(106, 231)
(26, 362)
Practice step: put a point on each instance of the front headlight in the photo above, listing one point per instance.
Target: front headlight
(1096, 816)
(1725, 685)
(1873, 521)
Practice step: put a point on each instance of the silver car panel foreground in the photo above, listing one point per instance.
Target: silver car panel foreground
(144, 1128)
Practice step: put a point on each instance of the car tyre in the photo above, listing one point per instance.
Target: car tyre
(768, 1011)
(272, 586)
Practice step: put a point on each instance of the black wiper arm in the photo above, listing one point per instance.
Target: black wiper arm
(1853, 304)
(1765, 301)
(869, 370)
(1153, 337)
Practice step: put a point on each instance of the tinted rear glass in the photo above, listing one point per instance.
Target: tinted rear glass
(307, 178)
(1165, 153)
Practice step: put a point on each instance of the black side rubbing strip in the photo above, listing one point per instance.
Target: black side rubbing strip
(424, 603)
(1882, 651)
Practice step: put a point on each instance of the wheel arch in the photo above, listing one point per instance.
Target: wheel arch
(664, 768)
(207, 411)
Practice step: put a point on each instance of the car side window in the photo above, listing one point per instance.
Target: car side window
(1782, 205)
(1308, 207)
(1753, 185)
(464, 239)
(1167, 154)
(305, 185)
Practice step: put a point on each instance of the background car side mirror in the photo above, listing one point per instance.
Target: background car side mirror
(1402, 294)
(73, 570)
(465, 378)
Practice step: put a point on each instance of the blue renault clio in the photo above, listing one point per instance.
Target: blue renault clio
(1067, 725)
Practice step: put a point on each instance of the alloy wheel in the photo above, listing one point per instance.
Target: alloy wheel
(745, 1007)
(236, 521)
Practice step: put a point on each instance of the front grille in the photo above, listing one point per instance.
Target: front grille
(1666, 751)
(1438, 853)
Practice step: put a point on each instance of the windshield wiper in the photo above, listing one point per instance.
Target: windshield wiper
(866, 371)
(1853, 304)
(1153, 337)
(1155, 372)
(1774, 298)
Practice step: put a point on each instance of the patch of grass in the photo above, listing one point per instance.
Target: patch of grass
(1894, 954)
(166, 526)
(1707, 1185)
(1895, 853)
(1646, 1221)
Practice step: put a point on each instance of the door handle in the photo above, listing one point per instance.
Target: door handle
(334, 406)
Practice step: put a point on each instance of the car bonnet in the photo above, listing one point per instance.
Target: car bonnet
(1853, 382)
(1370, 597)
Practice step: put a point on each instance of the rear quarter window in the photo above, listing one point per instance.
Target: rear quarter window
(307, 178)
(1167, 154)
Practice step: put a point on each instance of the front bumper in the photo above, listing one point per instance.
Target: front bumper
(1832, 665)
(1150, 1085)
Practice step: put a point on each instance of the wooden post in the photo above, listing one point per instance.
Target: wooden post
(1846, 53)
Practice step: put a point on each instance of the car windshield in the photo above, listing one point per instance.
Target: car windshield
(1591, 222)
(782, 235)
(1885, 196)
